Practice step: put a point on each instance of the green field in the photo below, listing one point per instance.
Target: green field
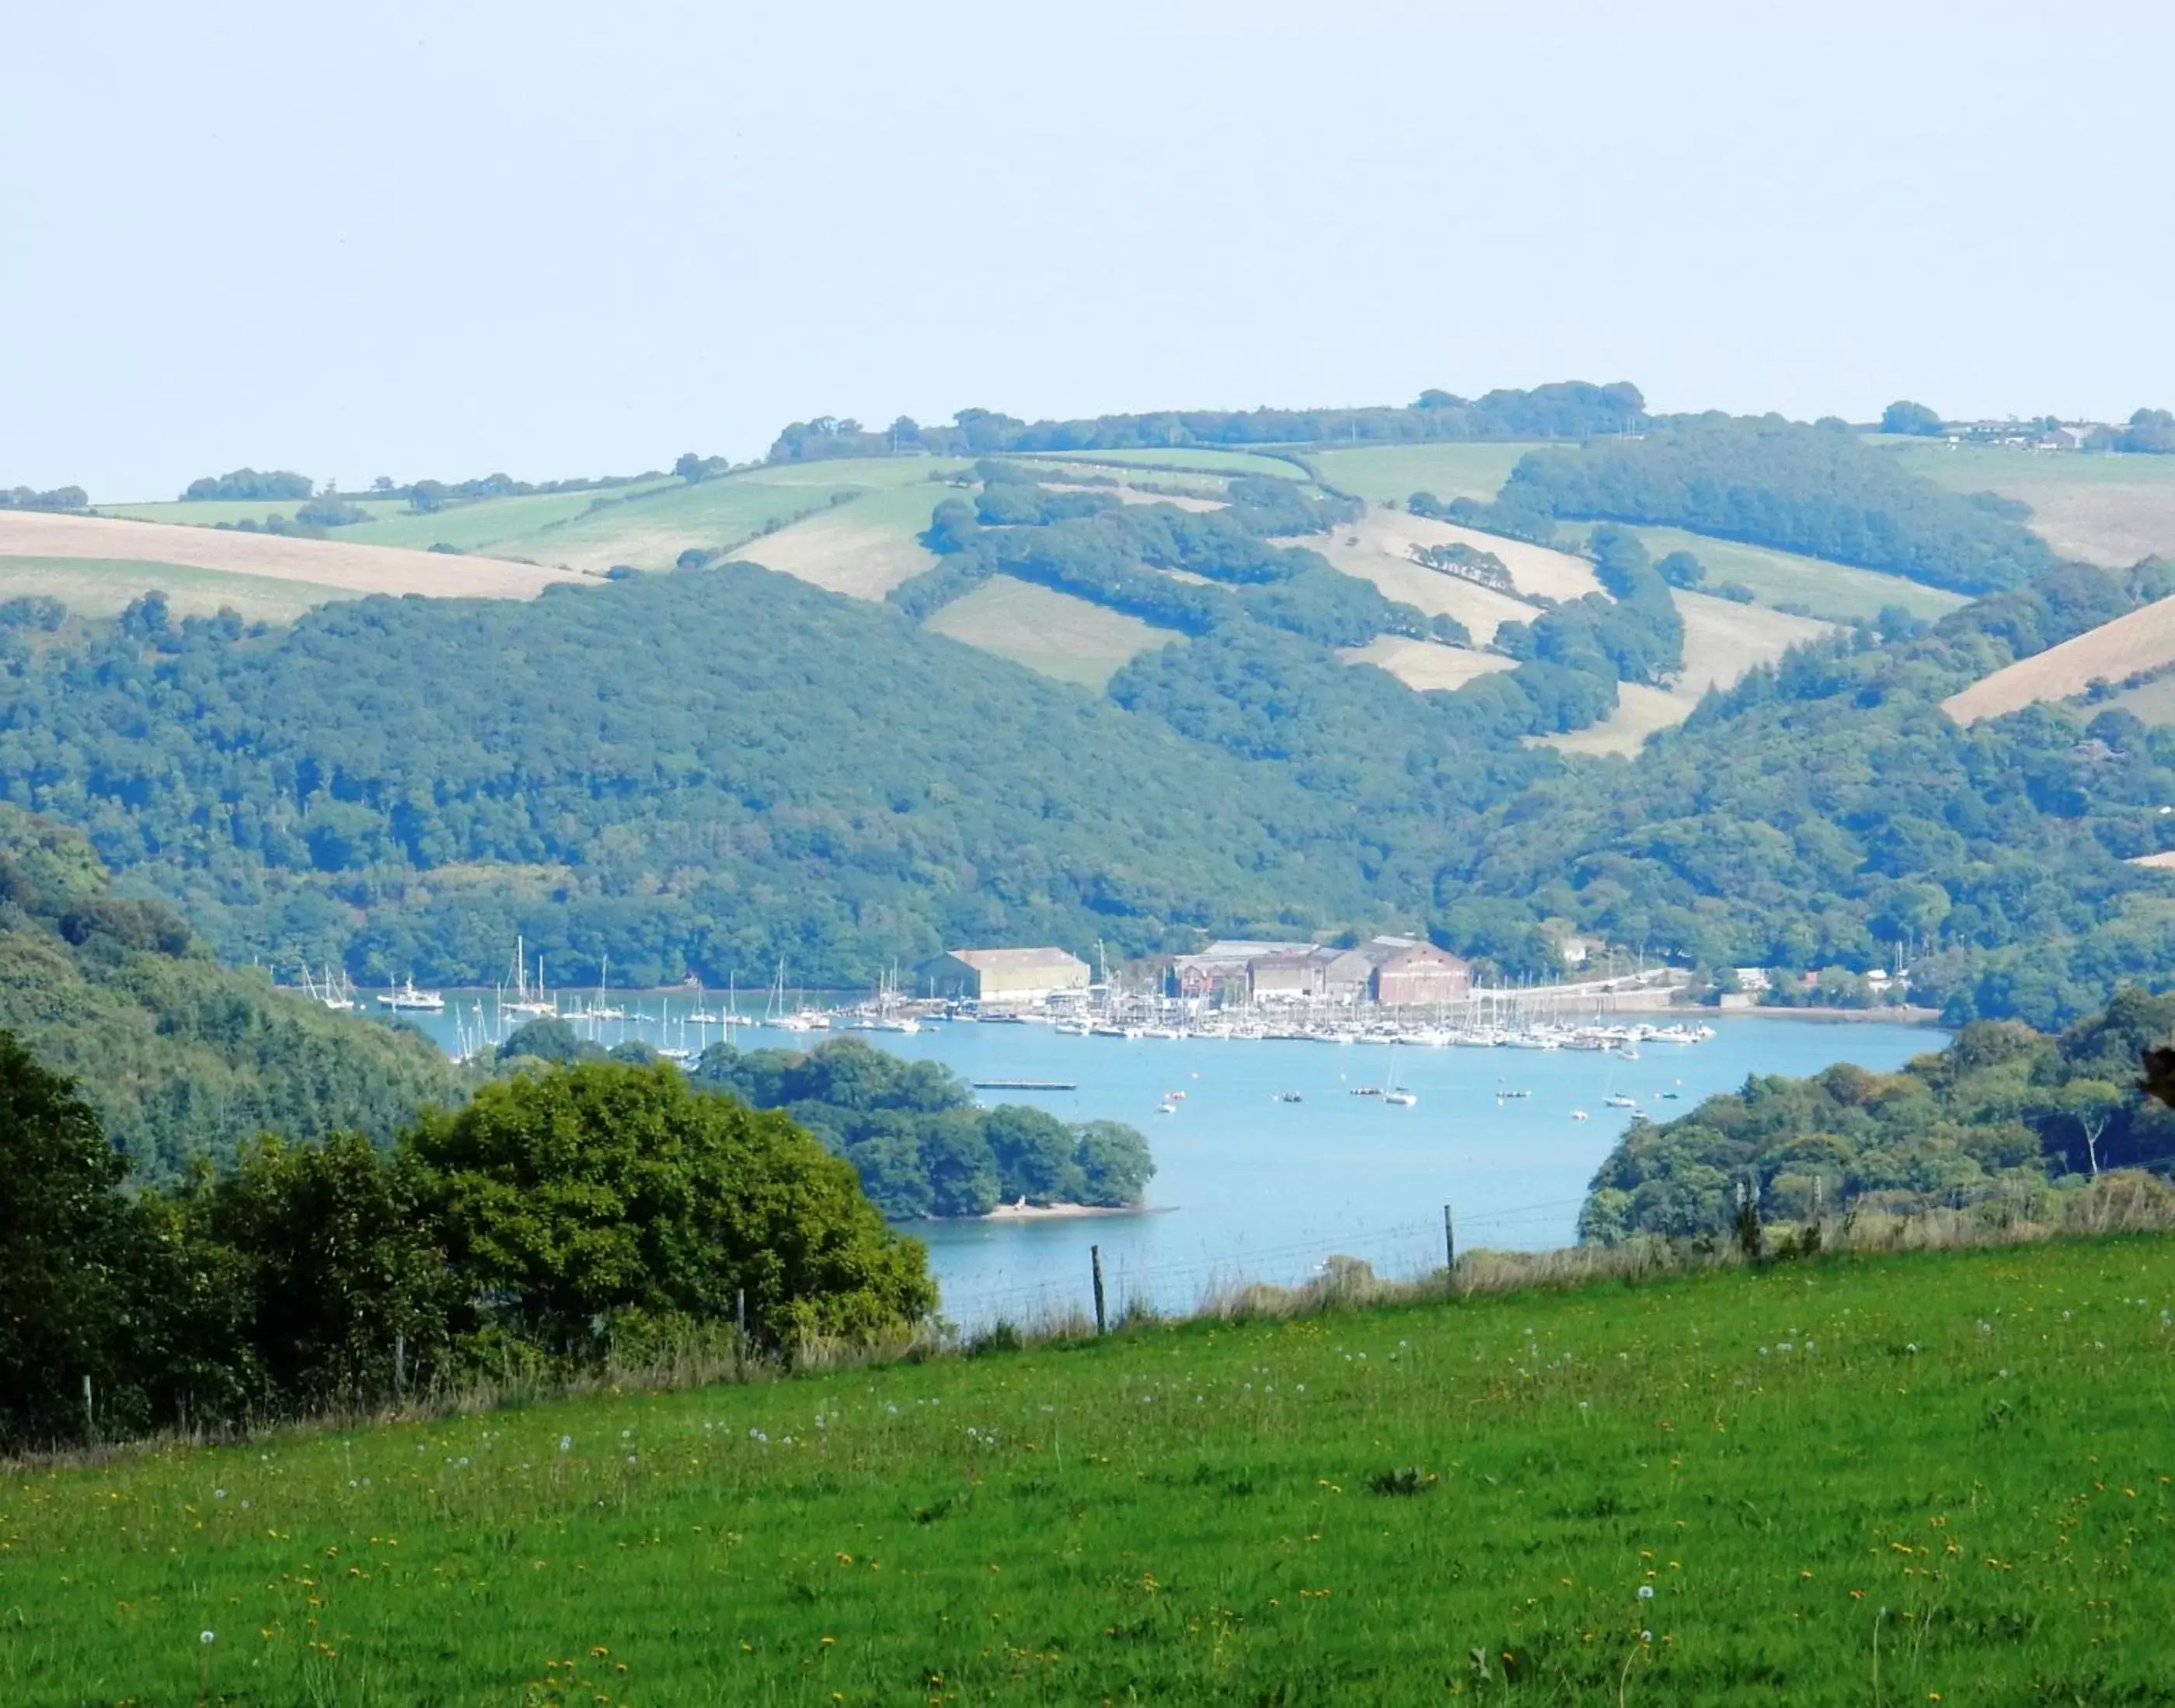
(211, 511)
(1049, 631)
(863, 548)
(1386, 474)
(1840, 591)
(100, 586)
(1942, 1476)
(1203, 459)
(2110, 510)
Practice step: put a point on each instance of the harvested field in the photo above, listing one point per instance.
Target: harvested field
(2162, 861)
(1378, 547)
(2142, 640)
(2107, 510)
(1426, 665)
(1449, 469)
(863, 549)
(98, 587)
(1722, 641)
(1133, 494)
(1052, 633)
(331, 564)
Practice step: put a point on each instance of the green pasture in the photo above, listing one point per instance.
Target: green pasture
(100, 587)
(1840, 591)
(1049, 631)
(1998, 468)
(1937, 1477)
(209, 513)
(1201, 459)
(1386, 474)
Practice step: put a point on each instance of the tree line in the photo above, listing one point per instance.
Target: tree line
(2005, 1121)
(1571, 410)
(1820, 490)
(557, 1221)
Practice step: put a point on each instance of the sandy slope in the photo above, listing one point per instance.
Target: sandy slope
(2142, 640)
(1426, 665)
(330, 563)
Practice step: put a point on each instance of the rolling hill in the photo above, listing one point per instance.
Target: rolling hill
(2105, 509)
(2143, 640)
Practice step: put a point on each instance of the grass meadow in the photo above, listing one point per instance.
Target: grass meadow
(1837, 590)
(1050, 632)
(103, 587)
(1392, 473)
(1182, 458)
(2110, 510)
(1935, 1477)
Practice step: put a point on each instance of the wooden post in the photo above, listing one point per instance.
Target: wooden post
(399, 1363)
(1449, 1245)
(1095, 1259)
(89, 1417)
(739, 1335)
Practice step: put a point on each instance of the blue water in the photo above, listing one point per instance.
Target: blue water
(1248, 1188)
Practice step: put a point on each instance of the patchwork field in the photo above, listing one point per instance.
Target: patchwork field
(1051, 632)
(331, 564)
(1387, 473)
(1426, 665)
(1754, 1486)
(1378, 548)
(1722, 641)
(1840, 591)
(2110, 510)
(102, 587)
(863, 548)
(2141, 640)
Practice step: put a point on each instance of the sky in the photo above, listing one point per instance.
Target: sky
(556, 240)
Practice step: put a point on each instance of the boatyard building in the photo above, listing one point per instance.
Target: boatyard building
(1003, 978)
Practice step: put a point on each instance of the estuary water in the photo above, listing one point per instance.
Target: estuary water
(1251, 1188)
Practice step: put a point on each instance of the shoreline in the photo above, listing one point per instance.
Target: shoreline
(1037, 1213)
(1928, 1017)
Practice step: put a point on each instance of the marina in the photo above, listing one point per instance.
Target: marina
(1266, 1163)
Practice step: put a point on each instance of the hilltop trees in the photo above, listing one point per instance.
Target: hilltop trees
(1907, 417)
(275, 485)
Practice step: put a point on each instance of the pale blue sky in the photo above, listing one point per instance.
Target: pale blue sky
(441, 239)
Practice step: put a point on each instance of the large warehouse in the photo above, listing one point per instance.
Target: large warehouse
(1004, 977)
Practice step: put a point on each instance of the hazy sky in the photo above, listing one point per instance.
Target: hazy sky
(555, 239)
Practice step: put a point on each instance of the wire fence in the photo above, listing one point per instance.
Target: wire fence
(1402, 1251)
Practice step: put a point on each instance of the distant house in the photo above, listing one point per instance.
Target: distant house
(1407, 971)
(1752, 978)
(1005, 977)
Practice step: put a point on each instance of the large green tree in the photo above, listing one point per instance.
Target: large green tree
(579, 1195)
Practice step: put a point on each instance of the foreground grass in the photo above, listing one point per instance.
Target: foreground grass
(1938, 1476)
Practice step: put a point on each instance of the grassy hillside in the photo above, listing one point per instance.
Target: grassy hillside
(1722, 641)
(343, 566)
(1051, 633)
(181, 1057)
(1753, 1486)
(2109, 510)
(103, 586)
(1840, 591)
(1391, 474)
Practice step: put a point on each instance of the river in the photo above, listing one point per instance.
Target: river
(1249, 1188)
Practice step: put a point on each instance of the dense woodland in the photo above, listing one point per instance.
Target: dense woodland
(919, 1144)
(182, 1060)
(1573, 410)
(699, 773)
(2003, 1121)
(1817, 490)
(558, 1222)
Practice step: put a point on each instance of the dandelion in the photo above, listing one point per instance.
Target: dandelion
(1645, 1636)
(1646, 1592)
(207, 1636)
(630, 1459)
(566, 1443)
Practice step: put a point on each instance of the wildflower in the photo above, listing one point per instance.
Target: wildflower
(1645, 1636)
(219, 1495)
(630, 1459)
(208, 1636)
(1646, 1592)
(566, 1443)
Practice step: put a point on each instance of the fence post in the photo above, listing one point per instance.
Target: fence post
(739, 1335)
(1449, 1245)
(89, 1417)
(1095, 1259)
